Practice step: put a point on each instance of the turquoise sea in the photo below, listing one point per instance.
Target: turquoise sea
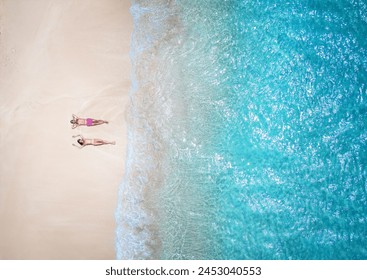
(247, 131)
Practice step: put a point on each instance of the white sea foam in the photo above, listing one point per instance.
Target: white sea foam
(136, 234)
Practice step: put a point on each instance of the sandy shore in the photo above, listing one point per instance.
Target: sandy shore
(59, 58)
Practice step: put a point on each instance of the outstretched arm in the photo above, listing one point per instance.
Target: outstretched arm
(74, 125)
(81, 136)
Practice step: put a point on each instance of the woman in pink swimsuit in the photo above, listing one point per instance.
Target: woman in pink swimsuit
(76, 121)
(94, 142)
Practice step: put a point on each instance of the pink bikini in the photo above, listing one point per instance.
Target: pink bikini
(89, 122)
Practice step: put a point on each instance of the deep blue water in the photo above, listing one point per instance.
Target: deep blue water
(247, 131)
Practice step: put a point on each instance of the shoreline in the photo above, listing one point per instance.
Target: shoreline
(63, 58)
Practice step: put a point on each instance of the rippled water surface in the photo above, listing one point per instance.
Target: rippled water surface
(247, 131)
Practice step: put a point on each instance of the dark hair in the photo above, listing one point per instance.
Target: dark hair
(80, 141)
(72, 121)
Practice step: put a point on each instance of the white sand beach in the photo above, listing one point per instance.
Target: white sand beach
(58, 58)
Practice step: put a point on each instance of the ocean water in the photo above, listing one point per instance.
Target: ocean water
(247, 131)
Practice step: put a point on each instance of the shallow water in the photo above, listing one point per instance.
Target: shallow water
(247, 131)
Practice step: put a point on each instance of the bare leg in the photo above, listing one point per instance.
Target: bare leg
(98, 122)
(109, 142)
(99, 142)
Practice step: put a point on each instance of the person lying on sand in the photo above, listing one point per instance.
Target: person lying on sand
(94, 142)
(76, 121)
